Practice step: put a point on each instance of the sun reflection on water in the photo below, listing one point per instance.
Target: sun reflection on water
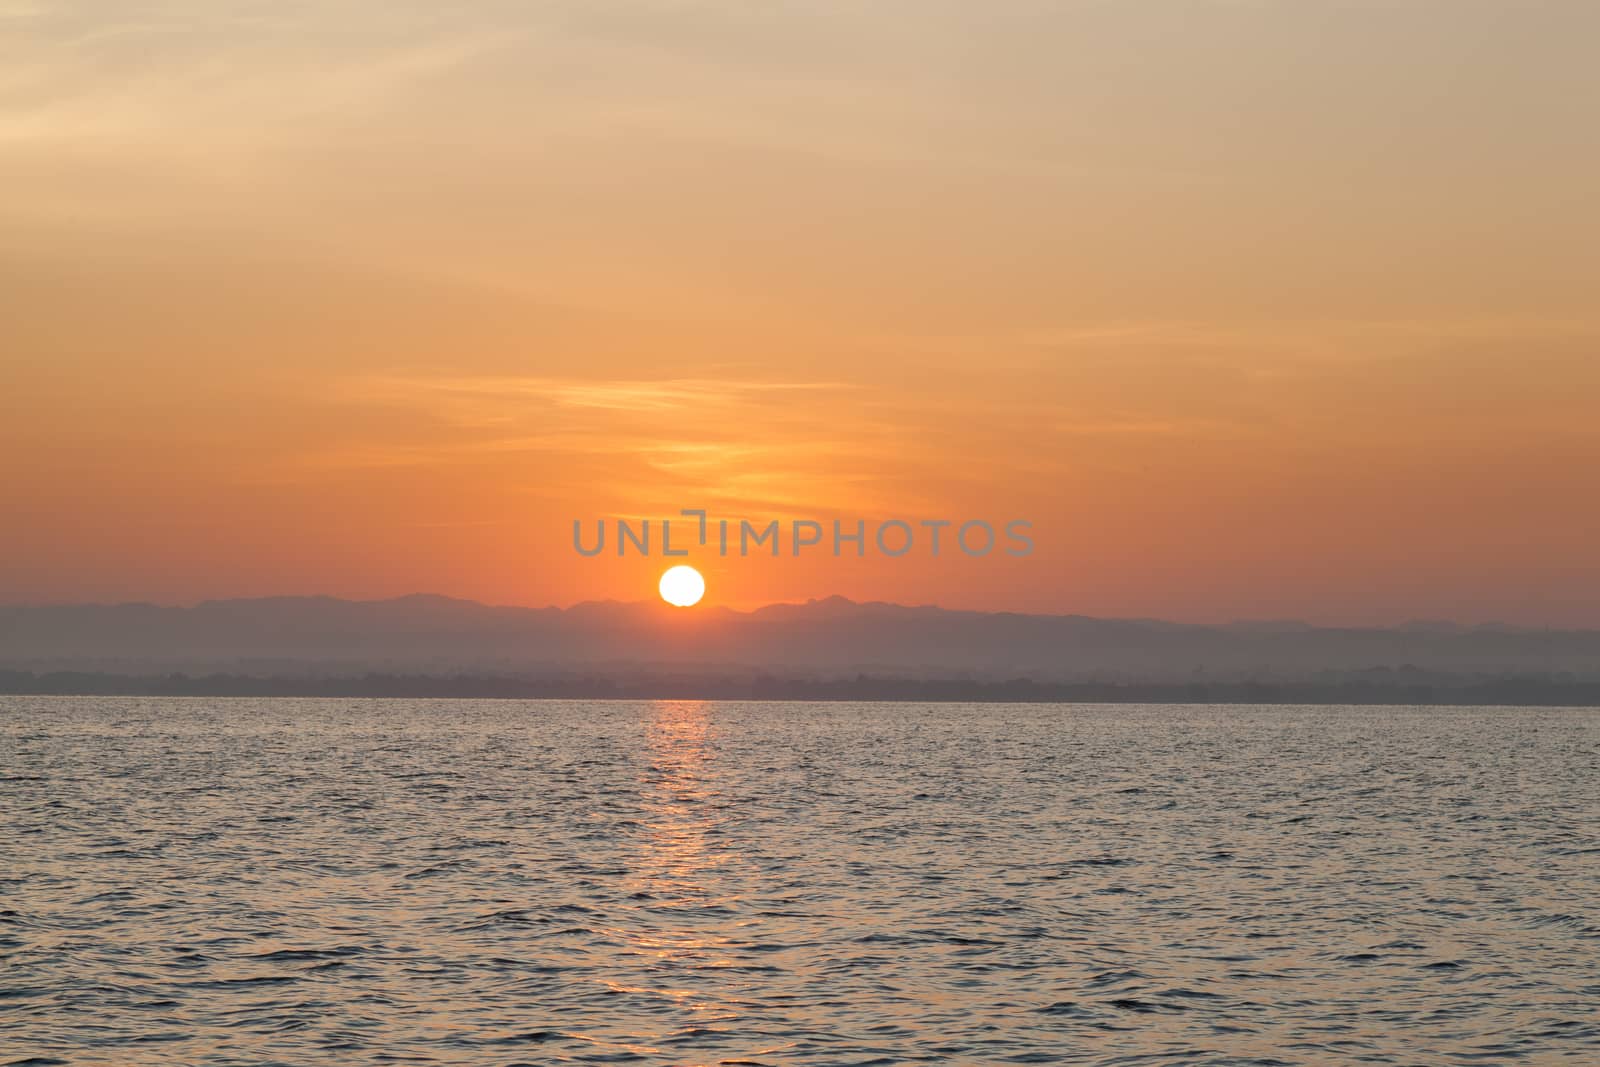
(685, 916)
(678, 877)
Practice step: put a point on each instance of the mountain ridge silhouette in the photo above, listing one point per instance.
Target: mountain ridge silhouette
(826, 637)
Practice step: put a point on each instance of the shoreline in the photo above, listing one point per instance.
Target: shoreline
(1487, 692)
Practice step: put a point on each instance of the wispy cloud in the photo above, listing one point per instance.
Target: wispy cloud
(158, 81)
(754, 446)
(497, 399)
(665, 394)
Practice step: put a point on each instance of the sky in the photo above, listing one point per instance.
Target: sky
(1253, 309)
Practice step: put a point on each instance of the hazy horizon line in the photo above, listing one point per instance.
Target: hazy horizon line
(1412, 622)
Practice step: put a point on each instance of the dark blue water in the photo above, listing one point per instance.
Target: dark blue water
(305, 882)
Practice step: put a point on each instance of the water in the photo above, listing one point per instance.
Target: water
(303, 882)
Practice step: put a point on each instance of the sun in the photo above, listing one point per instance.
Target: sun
(682, 586)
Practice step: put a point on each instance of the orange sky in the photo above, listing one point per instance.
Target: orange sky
(1253, 309)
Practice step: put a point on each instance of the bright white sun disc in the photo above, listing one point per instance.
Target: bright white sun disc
(682, 586)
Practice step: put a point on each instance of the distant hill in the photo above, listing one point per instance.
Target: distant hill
(307, 637)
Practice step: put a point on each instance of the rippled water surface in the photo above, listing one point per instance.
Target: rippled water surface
(301, 882)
